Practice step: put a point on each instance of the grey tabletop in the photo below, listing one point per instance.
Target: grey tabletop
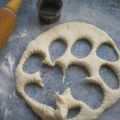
(104, 14)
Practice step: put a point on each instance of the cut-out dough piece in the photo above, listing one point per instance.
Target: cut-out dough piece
(70, 33)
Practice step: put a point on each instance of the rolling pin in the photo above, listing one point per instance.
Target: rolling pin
(8, 20)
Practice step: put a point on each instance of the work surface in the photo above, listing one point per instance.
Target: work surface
(104, 14)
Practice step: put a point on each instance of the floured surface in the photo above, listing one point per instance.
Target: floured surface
(70, 33)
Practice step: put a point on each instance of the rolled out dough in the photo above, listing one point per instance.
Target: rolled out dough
(70, 33)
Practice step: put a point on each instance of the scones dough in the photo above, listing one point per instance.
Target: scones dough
(70, 33)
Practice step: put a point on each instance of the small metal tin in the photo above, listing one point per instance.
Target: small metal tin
(49, 10)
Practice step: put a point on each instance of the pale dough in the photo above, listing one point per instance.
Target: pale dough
(70, 33)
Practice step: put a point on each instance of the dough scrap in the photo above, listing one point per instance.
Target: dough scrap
(70, 33)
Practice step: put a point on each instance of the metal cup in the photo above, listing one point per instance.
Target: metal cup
(49, 10)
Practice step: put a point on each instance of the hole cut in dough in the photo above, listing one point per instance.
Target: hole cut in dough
(91, 94)
(57, 48)
(33, 64)
(81, 48)
(109, 77)
(70, 32)
(107, 52)
(73, 112)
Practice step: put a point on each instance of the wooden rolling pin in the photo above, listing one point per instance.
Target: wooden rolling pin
(8, 20)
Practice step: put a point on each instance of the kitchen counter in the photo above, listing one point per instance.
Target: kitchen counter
(104, 14)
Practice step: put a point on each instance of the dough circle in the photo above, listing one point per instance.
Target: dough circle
(70, 33)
